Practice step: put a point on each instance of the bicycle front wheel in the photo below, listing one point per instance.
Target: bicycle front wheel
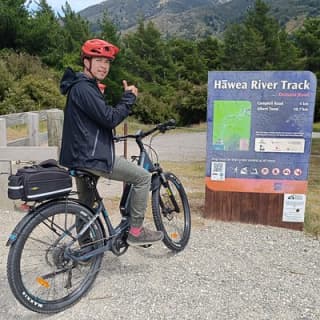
(40, 274)
(171, 212)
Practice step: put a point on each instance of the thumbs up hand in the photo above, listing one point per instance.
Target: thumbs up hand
(131, 88)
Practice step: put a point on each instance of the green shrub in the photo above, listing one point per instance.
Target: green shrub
(21, 64)
(149, 109)
(26, 84)
(6, 79)
(32, 92)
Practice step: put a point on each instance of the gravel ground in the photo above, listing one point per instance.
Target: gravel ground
(228, 271)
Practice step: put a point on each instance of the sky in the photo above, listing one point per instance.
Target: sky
(76, 5)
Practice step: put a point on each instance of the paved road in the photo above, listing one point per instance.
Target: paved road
(175, 146)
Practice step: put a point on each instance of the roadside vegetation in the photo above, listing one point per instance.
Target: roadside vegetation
(312, 217)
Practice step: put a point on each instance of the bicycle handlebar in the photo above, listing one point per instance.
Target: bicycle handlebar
(162, 127)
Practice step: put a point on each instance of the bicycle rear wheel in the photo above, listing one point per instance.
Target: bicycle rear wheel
(171, 212)
(40, 275)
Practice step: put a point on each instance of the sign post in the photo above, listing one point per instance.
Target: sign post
(258, 146)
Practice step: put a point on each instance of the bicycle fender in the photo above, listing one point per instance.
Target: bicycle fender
(19, 227)
(155, 182)
(24, 221)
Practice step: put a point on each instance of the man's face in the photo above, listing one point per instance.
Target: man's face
(99, 67)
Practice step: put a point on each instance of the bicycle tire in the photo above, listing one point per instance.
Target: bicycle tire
(39, 275)
(175, 225)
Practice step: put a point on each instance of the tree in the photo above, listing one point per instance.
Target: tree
(190, 102)
(44, 35)
(189, 64)
(243, 49)
(75, 33)
(13, 21)
(267, 28)
(211, 50)
(258, 43)
(110, 33)
(146, 54)
(308, 41)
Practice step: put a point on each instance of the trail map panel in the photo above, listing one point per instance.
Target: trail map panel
(259, 131)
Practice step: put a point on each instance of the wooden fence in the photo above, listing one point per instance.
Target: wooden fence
(35, 147)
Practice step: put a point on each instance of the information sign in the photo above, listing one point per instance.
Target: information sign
(260, 131)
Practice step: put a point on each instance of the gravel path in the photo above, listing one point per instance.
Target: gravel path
(229, 271)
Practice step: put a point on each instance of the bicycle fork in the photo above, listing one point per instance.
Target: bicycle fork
(169, 193)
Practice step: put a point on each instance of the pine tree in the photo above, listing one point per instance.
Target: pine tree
(258, 43)
(308, 41)
(110, 33)
(43, 36)
(13, 21)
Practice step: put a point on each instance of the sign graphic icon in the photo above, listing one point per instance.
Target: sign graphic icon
(275, 171)
(286, 171)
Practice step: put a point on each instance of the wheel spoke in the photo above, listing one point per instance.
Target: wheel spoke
(171, 213)
(39, 266)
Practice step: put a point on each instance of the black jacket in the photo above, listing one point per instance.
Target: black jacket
(87, 138)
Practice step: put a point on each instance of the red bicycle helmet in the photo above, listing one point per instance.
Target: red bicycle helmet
(99, 48)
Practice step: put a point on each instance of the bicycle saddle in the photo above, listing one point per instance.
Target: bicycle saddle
(81, 173)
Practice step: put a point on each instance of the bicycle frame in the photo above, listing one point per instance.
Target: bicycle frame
(114, 232)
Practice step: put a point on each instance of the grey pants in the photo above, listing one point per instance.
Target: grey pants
(127, 171)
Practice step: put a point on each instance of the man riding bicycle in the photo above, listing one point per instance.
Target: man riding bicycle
(87, 139)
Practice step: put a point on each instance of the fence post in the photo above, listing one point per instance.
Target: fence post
(33, 129)
(55, 124)
(5, 169)
(3, 132)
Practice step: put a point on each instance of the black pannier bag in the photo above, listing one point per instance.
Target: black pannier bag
(39, 182)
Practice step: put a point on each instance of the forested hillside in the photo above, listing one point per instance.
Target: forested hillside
(171, 73)
(196, 18)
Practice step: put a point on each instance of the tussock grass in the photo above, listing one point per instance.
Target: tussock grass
(21, 130)
(312, 214)
(316, 127)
